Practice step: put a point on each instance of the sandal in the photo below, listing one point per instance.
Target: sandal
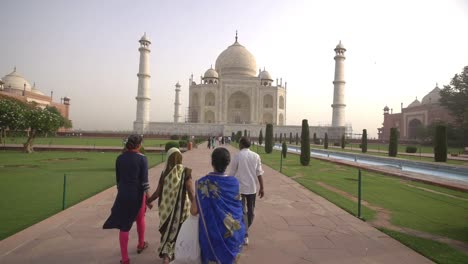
(140, 249)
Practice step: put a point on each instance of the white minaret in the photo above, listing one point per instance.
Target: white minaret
(338, 105)
(143, 98)
(177, 103)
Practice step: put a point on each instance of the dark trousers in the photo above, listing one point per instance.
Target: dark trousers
(248, 206)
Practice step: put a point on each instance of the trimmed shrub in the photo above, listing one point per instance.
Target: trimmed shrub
(260, 137)
(393, 145)
(183, 143)
(305, 144)
(411, 149)
(269, 138)
(440, 144)
(343, 141)
(174, 137)
(364, 141)
(171, 144)
(325, 143)
(284, 149)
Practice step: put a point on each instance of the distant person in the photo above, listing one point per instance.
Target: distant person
(131, 169)
(209, 142)
(247, 168)
(175, 192)
(221, 226)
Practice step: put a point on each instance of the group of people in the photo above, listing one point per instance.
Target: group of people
(224, 202)
(214, 141)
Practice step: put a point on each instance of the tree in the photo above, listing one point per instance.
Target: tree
(440, 144)
(325, 142)
(297, 138)
(343, 141)
(269, 138)
(290, 137)
(12, 113)
(40, 120)
(455, 98)
(393, 145)
(281, 137)
(284, 149)
(315, 138)
(260, 137)
(364, 141)
(305, 144)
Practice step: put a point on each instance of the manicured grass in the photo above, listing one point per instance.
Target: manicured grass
(436, 251)
(410, 207)
(32, 184)
(84, 141)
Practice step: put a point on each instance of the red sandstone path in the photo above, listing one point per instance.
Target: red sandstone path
(292, 225)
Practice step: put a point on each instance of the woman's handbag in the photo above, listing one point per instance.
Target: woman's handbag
(187, 247)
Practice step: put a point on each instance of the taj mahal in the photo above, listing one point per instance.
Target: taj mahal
(233, 96)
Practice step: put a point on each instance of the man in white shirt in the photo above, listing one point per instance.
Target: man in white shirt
(246, 166)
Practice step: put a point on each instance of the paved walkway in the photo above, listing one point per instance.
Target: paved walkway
(292, 225)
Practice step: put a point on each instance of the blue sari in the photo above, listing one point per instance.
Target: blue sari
(222, 229)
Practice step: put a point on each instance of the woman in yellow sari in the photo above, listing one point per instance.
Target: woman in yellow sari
(175, 192)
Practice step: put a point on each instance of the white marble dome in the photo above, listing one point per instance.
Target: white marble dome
(211, 73)
(236, 60)
(264, 75)
(432, 97)
(15, 81)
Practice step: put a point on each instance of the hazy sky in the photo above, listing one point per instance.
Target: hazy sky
(88, 51)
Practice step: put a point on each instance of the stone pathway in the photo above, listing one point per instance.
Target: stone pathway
(292, 225)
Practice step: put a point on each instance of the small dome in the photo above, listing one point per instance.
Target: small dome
(264, 75)
(414, 103)
(386, 109)
(236, 60)
(145, 39)
(340, 46)
(35, 90)
(15, 81)
(432, 97)
(211, 73)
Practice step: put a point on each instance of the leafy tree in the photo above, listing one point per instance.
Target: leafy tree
(343, 141)
(364, 141)
(440, 144)
(325, 142)
(297, 138)
(393, 146)
(305, 144)
(455, 98)
(12, 113)
(269, 138)
(284, 149)
(260, 137)
(290, 137)
(40, 120)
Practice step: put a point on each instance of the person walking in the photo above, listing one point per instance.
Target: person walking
(247, 168)
(175, 192)
(131, 170)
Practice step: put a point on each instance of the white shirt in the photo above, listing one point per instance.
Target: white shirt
(246, 167)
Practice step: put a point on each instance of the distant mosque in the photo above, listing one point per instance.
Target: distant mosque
(16, 86)
(233, 97)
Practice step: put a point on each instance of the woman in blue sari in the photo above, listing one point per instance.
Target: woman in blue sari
(218, 201)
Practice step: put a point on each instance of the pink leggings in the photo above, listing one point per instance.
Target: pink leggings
(123, 236)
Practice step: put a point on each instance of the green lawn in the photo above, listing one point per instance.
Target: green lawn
(409, 206)
(84, 141)
(32, 184)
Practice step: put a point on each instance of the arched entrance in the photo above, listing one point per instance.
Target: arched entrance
(413, 127)
(238, 108)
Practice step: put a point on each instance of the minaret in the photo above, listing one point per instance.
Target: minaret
(177, 103)
(143, 100)
(338, 105)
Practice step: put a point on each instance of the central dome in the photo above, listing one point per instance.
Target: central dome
(236, 60)
(16, 81)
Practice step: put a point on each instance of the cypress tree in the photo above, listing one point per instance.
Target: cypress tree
(440, 144)
(290, 137)
(260, 137)
(281, 137)
(284, 149)
(325, 142)
(305, 144)
(364, 141)
(297, 138)
(393, 146)
(343, 141)
(315, 138)
(269, 138)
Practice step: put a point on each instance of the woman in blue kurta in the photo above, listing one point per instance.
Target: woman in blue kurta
(218, 201)
(131, 169)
